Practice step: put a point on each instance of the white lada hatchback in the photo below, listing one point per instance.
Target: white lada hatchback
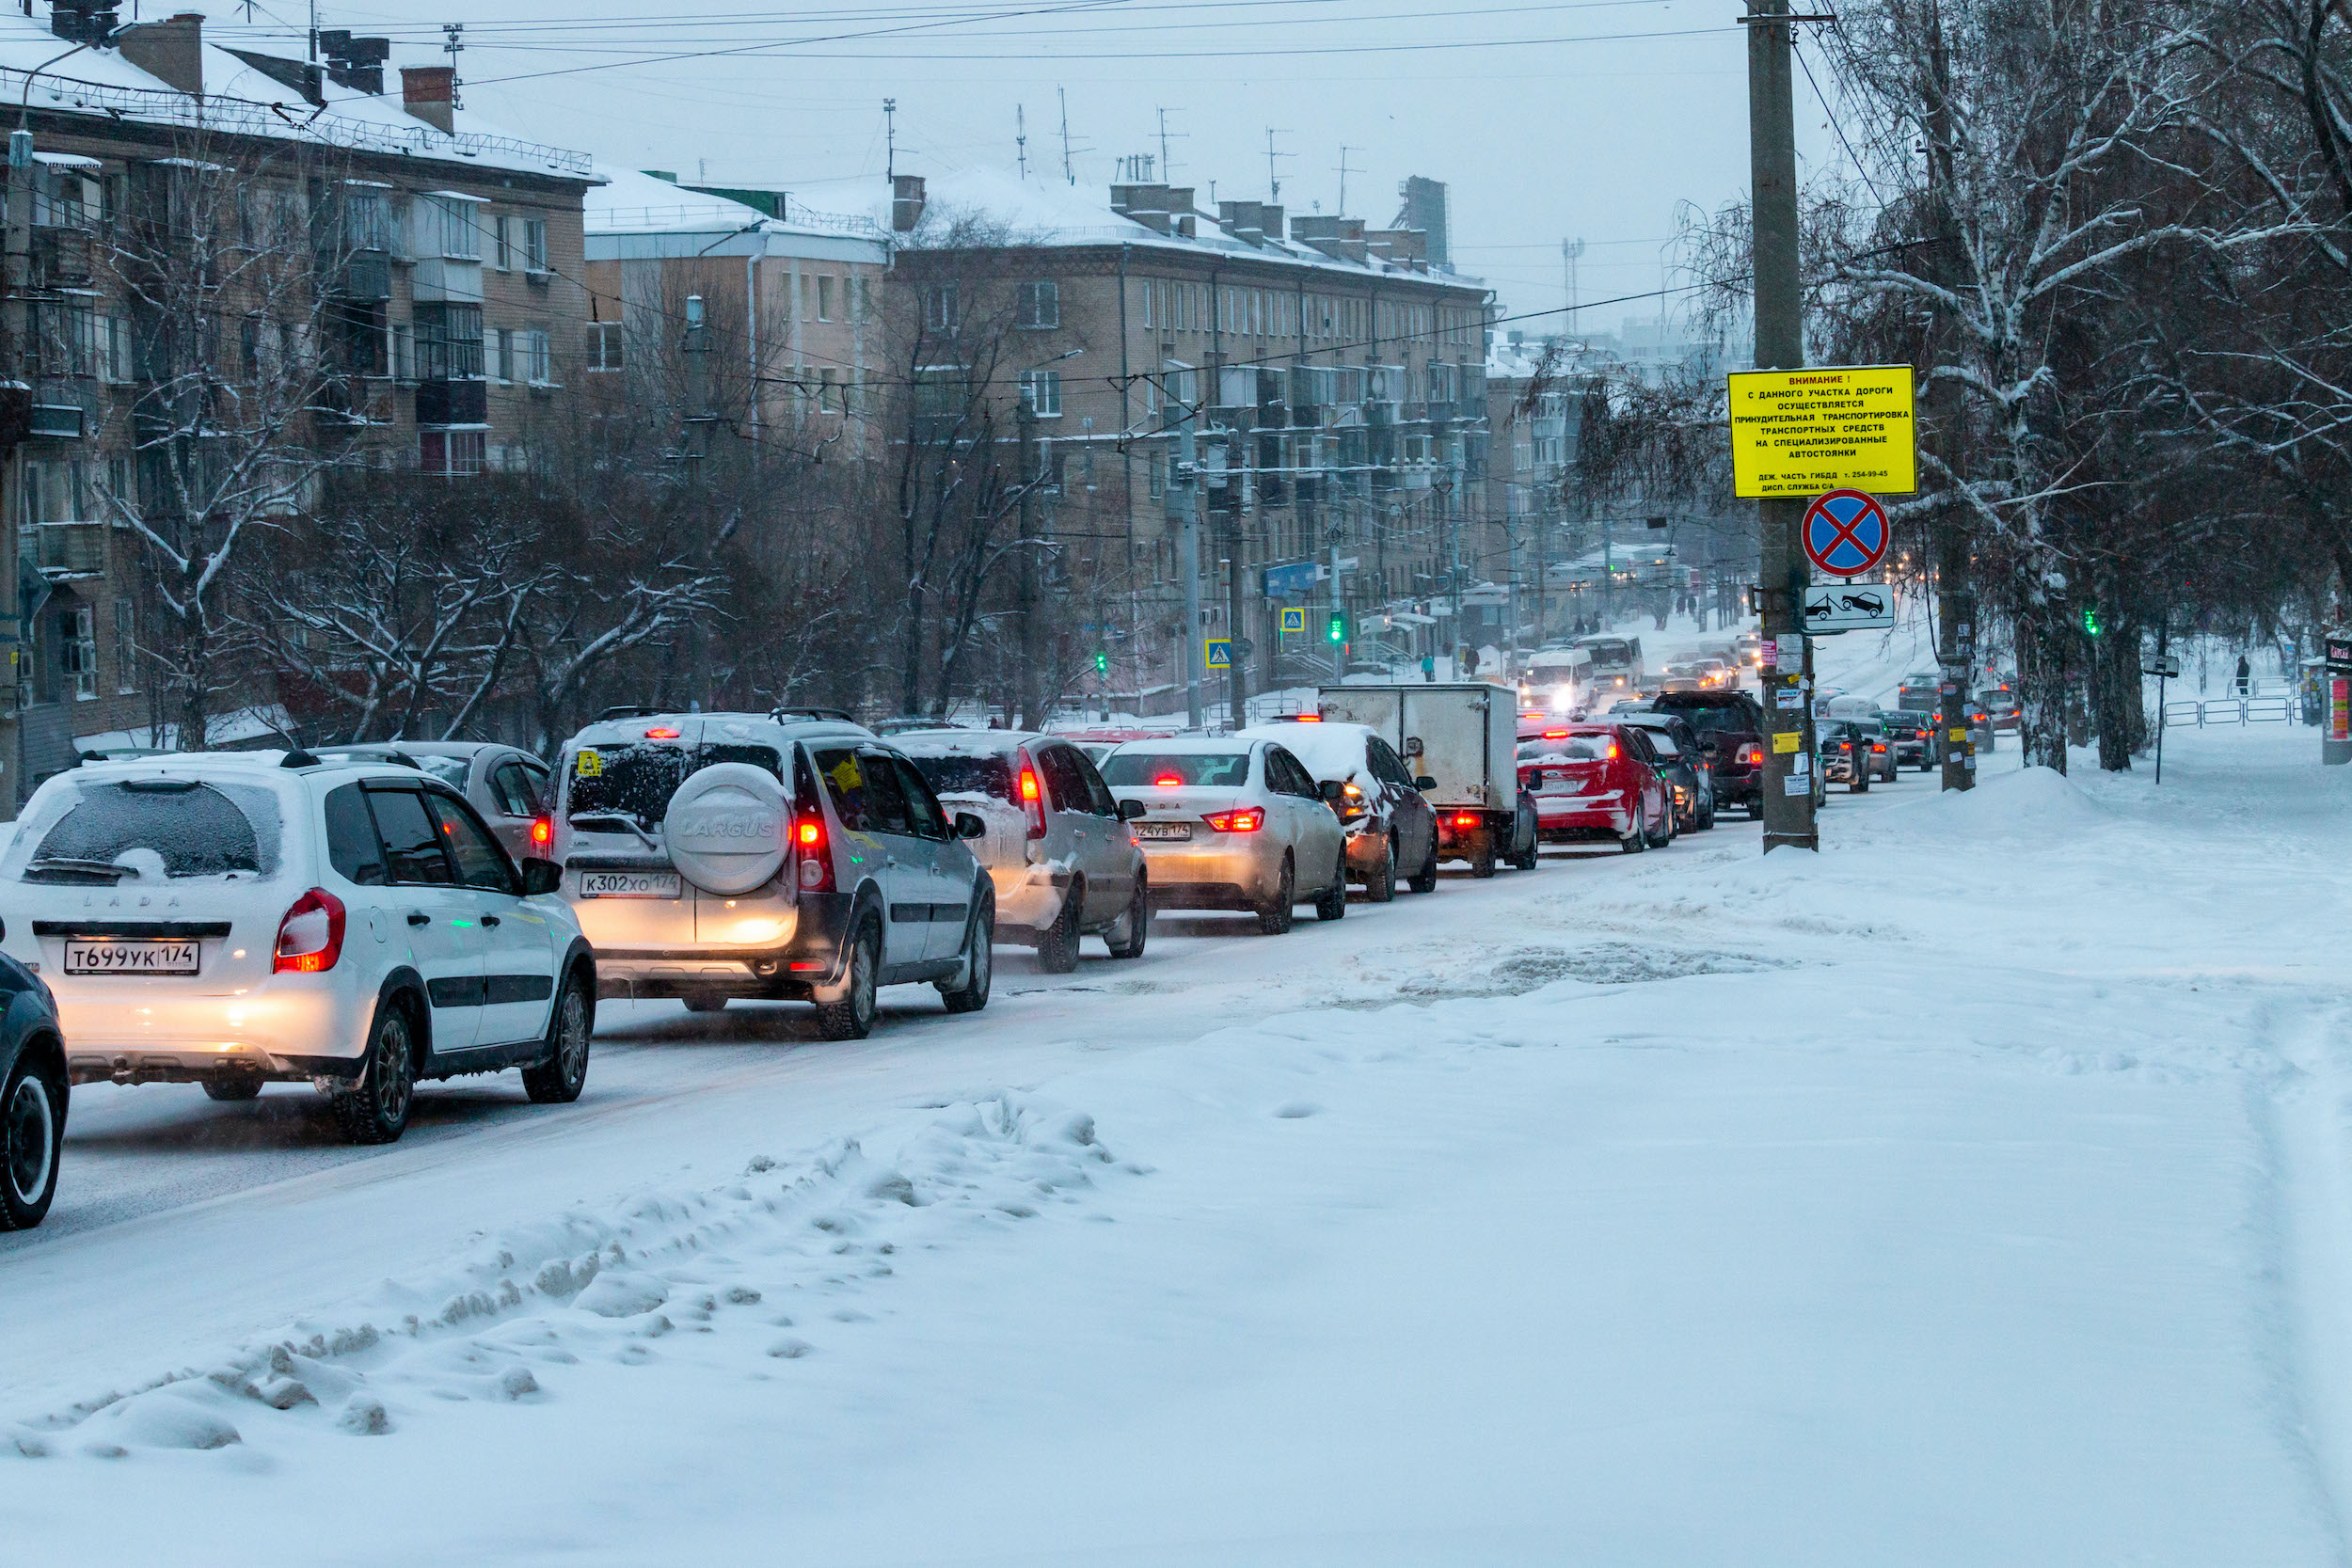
(232, 918)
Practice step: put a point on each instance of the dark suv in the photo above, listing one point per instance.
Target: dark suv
(1730, 727)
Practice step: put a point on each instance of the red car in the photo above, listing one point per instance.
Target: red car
(1593, 781)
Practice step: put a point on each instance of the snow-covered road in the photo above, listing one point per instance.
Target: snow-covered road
(1666, 1209)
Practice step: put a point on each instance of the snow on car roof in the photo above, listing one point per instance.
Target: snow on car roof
(960, 743)
(1329, 751)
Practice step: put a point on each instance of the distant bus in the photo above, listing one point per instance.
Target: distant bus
(1559, 680)
(1616, 662)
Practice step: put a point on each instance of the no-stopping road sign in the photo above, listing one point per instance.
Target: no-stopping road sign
(1845, 533)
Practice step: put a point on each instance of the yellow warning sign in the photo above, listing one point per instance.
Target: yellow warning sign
(1796, 434)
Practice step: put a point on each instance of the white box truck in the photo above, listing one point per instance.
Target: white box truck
(1462, 738)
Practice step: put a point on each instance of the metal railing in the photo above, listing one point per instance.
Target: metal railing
(2229, 710)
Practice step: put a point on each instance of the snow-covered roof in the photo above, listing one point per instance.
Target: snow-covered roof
(239, 99)
(1046, 213)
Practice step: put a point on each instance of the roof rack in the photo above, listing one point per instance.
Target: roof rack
(842, 714)
(630, 711)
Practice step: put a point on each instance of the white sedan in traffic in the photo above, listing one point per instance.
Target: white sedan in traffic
(1232, 823)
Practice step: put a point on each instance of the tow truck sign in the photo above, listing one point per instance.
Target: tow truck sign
(1848, 606)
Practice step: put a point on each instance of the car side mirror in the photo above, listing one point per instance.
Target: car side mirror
(540, 876)
(968, 825)
(1329, 790)
(1425, 782)
(1131, 811)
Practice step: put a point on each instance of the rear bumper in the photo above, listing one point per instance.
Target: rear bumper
(793, 969)
(1583, 817)
(1029, 900)
(1203, 895)
(272, 1032)
(1228, 873)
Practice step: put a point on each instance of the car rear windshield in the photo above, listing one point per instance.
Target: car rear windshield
(967, 775)
(1574, 748)
(1713, 717)
(1208, 769)
(635, 781)
(152, 831)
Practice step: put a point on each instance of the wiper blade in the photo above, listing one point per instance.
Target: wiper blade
(595, 820)
(82, 867)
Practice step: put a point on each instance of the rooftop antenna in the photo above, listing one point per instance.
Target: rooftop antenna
(454, 44)
(1021, 138)
(1344, 172)
(1273, 178)
(1569, 252)
(1168, 159)
(890, 138)
(1063, 94)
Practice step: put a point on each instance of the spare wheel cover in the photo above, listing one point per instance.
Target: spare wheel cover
(726, 826)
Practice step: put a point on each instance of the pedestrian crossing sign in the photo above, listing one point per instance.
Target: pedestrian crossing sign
(1295, 619)
(1220, 653)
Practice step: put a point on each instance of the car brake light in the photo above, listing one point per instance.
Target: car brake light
(311, 937)
(1168, 781)
(1307, 718)
(1032, 796)
(1242, 820)
(1464, 820)
(815, 870)
(1878, 748)
(542, 831)
(662, 732)
(1555, 735)
(1612, 753)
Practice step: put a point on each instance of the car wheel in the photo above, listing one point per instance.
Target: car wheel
(1380, 886)
(559, 1079)
(1707, 818)
(245, 1085)
(704, 1004)
(1057, 948)
(1426, 880)
(1755, 809)
(32, 1136)
(852, 1017)
(1331, 904)
(1634, 842)
(1483, 858)
(979, 946)
(374, 1109)
(1125, 939)
(1274, 918)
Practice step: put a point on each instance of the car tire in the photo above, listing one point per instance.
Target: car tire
(374, 1109)
(1755, 809)
(1380, 887)
(1058, 944)
(979, 971)
(1707, 818)
(1665, 833)
(1483, 858)
(1331, 904)
(1275, 917)
(32, 1139)
(704, 1004)
(1126, 937)
(1634, 842)
(1426, 880)
(245, 1085)
(852, 1017)
(571, 1026)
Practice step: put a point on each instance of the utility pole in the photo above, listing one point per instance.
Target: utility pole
(1025, 422)
(1183, 492)
(1272, 177)
(694, 445)
(1344, 172)
(1956, 612)
(1789, 751)
(890, 138)
(15, 636)
(1608, 577)
(1339, 610)
(1571, 251)
(1237, 674)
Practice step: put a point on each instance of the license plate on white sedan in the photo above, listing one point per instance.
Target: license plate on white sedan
(629, 884)
(131, 957)
(1164, 830)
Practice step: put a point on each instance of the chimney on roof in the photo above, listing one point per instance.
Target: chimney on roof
(82, 21)
(906, 202)
(430, 93)
(172, 51)
(356, 63)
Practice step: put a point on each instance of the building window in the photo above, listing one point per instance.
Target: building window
(502, 242)
(403, 352)
(460, 234)
(1040, 303)
(535, 245)
(449, 342)
(451, 453)
(1041, 391)
(538, 356)
(126, 646)
(497, 354)
(604, 345)
(940, 311)
(824, 298)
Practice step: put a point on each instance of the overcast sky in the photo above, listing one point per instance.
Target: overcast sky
(1592, 119)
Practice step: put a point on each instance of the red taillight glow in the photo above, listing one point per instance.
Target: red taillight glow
(1242, 820)
(662, 732)
(541, 831)
(1612, 753)
(1878, 748)
(1032, 796)
(1309, 719)
(1168, 781)
(311, 937)
(1555, 735)
(1464, 820)
(815, 870)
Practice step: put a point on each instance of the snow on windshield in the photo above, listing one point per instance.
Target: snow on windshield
(1574, 748)
(155, 829)
(963, 773)
(1210, 770)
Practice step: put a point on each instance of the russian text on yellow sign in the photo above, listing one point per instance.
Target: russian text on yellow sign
(1796, 434)
(1787, 740)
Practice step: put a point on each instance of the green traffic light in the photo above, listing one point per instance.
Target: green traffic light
(1339, 629)
(1101, 662)
(2091, 621)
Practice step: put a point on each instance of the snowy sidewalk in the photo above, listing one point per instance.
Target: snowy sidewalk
(1691, 1222)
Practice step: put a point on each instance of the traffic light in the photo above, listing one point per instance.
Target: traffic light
(1102, 661)
(1338, 625)
(2090, 619)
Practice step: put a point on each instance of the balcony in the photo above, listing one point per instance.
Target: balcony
(60, 258)
(447, 403)
(58, 421)
(367, 278)
(77, 550)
